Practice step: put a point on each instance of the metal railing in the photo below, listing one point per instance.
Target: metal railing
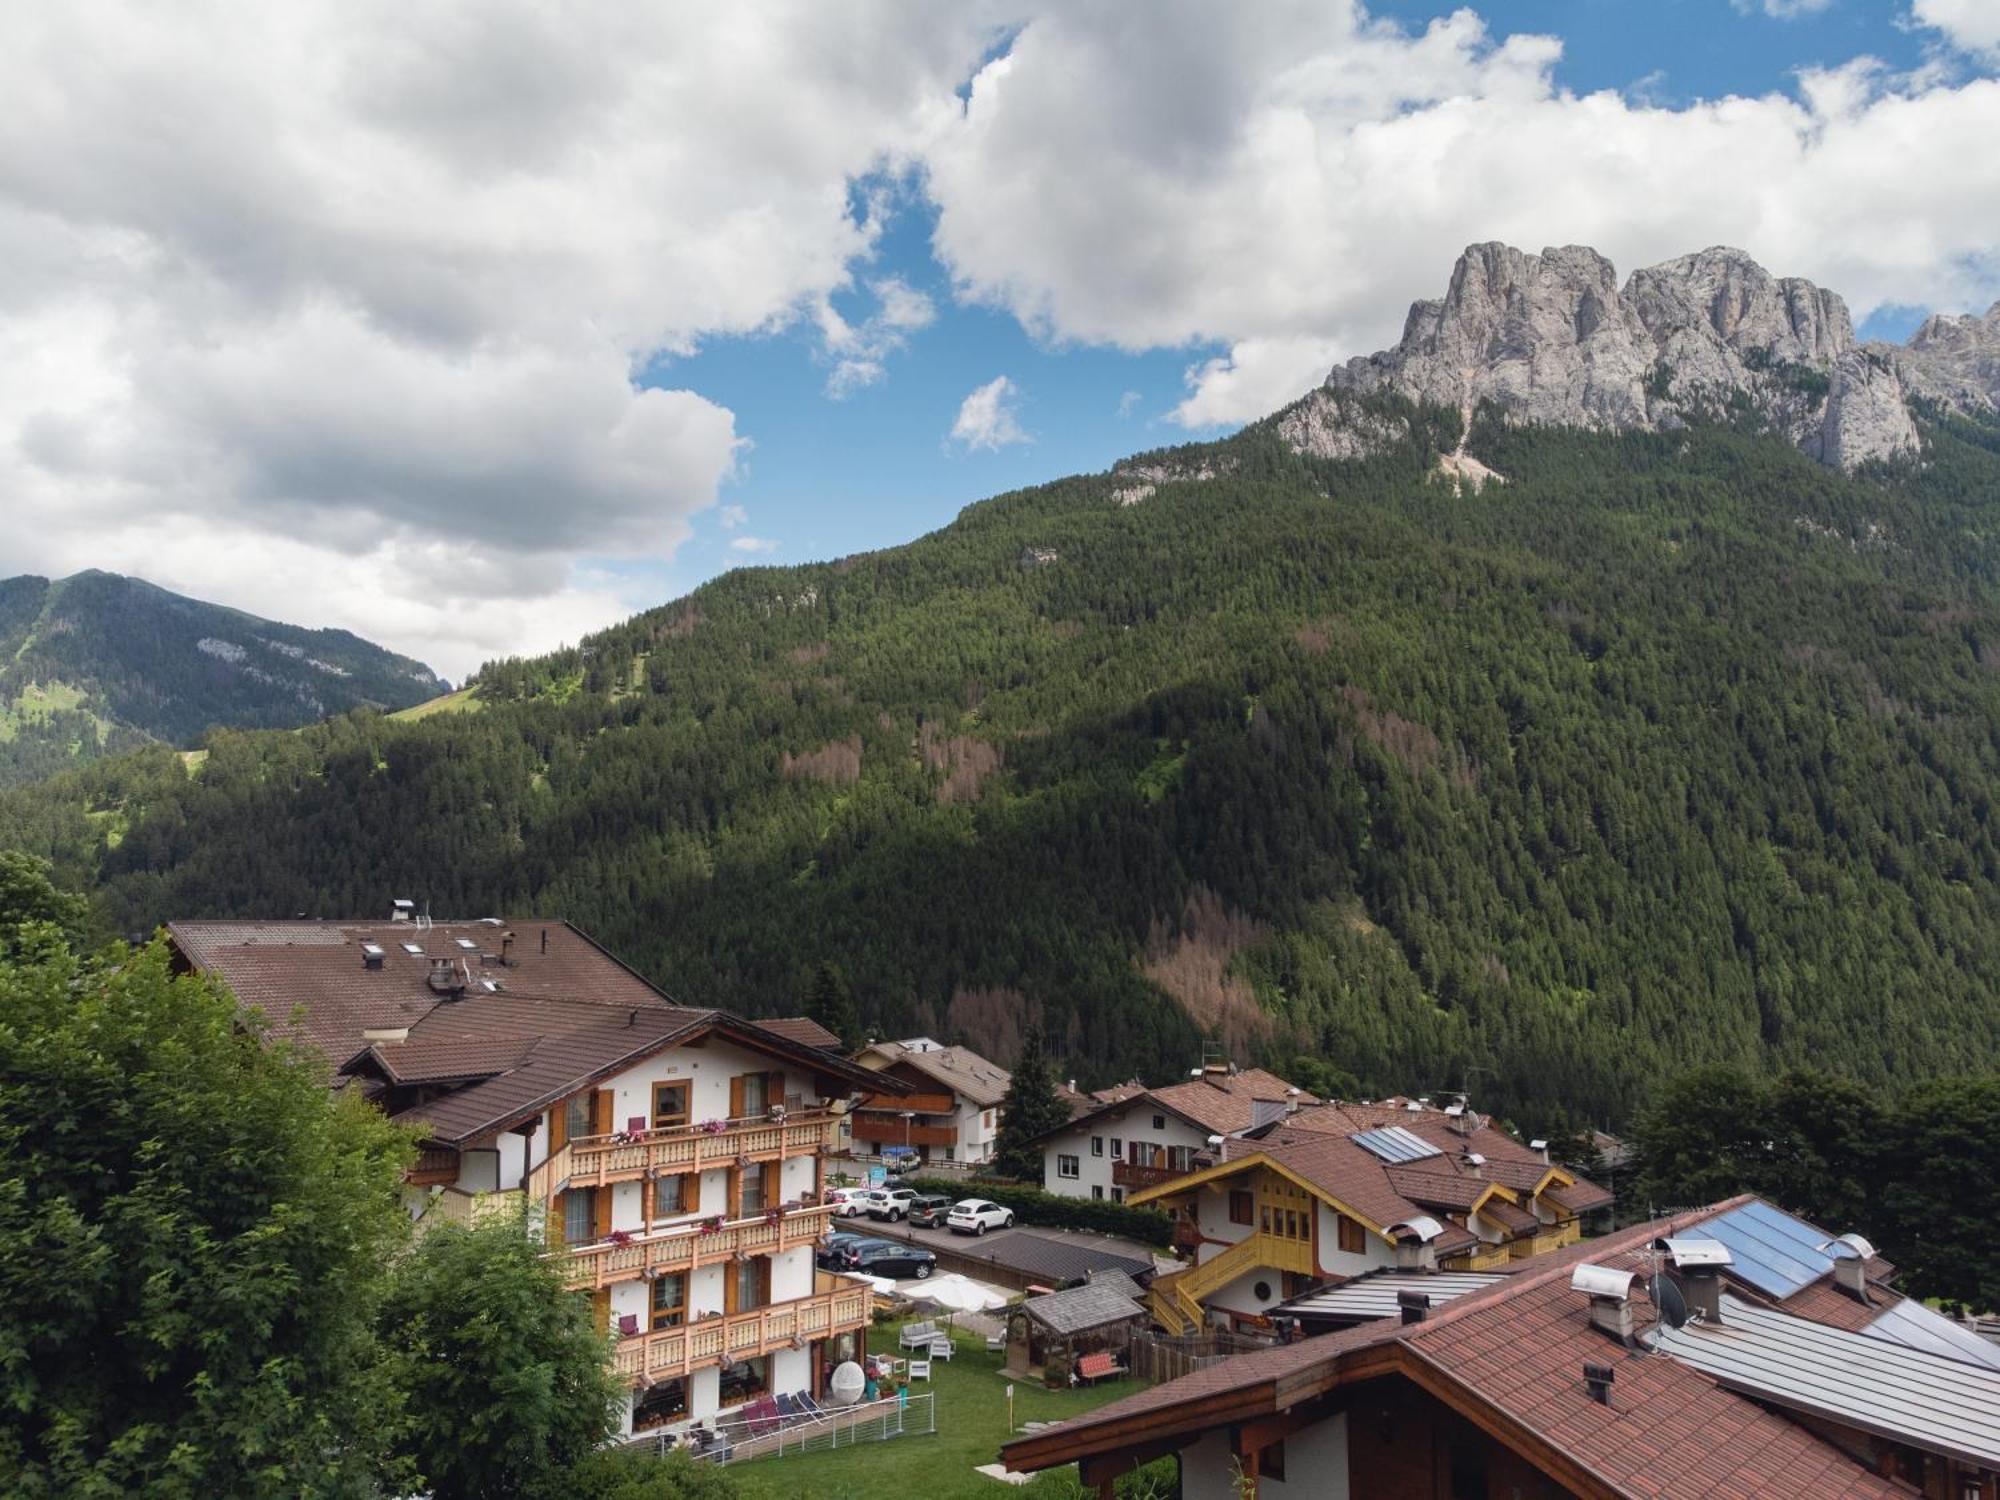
(739, 1439)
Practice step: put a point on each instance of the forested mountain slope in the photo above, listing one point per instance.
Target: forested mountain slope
(1676, 746)
(98, 662)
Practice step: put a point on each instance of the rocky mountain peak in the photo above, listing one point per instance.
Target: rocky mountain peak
(1554, 338)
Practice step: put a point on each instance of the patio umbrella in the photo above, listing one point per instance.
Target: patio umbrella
(957, 1293)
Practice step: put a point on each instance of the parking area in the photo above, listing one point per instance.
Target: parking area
(1018, 1259)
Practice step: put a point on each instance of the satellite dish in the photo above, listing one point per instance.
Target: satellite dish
(1668, 1299)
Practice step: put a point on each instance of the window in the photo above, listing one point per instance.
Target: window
(1118, 1195)
(665, 1401)
(989, 1119)
(670, 1196)
(1097, 1145)
(1242, 1208)
(756, 1095)
(1068, 1166)
(579, 1205)
(745, 1381)
(749, 1284)
(951, 1153)
(670, 1105)
(1097, 1190)
(576, 1117)
(1271, 1462)
(1117, 1149)
(756, 1190)
(1353, 1238)
(1264, 1217)
(1159, 1122)
(669, 1302)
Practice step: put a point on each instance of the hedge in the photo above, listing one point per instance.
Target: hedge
(1033, 1206)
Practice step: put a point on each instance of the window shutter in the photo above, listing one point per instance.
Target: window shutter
(736, 1097)
(771, 1184)
(600, 1212)
(602, 1121)
(600, 1307)
(729, 1284)
(774, 1089)
(558, 1126)
(732, 1201)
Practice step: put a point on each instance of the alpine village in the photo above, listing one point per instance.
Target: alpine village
(1429, 930)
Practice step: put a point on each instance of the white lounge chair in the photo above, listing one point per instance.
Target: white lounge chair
(920, 1369)
(941, 1347)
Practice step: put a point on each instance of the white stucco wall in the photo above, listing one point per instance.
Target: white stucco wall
(1316, 1464)
(1336, 1262)
(1134, 1124)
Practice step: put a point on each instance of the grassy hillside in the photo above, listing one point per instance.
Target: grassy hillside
(1672, 748)
(98, 663)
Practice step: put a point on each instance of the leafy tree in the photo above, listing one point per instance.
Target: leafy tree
(28, 895)
(506, 1382)
(1940, 1190)
(625, 1474)
(193, 1232)
(831, 1003)
(1030, 1109)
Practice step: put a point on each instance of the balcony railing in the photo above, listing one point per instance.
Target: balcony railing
(895, 1131)
(666, 1353)
(686, 1246)
(1131, 1176)
(597, 1160)
(923, 1104)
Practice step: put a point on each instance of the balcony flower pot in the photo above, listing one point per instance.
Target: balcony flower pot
(619, 1237)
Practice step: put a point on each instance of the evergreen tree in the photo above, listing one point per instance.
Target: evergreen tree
(1030, 1109)
(831, 1003)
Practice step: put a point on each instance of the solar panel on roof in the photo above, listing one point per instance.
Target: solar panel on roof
(415, 950)
(1774, 1252)
(1916, 1326)
(466, 943)
(1395, 1144)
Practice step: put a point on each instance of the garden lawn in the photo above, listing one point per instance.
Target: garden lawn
(971, 1423)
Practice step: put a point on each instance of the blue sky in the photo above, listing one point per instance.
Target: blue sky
(485, 329)
(823, 475)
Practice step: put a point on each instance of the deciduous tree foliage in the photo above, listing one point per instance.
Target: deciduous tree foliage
(193, 1241)
(506, 1380)
(1918, 1173)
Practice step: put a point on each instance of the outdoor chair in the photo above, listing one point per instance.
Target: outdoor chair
(635, 1125)
(996, 1343)
(788, 1409)
(808, 1407)
(628, 1324)
(941, 1347)
(917, 1335)
(920, 1369)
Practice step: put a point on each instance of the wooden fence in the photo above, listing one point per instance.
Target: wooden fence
(1157, 1357)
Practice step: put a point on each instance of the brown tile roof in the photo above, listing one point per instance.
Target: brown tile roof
(1510, 1216)
(309, 979)
(959, 1069)
(1224, 1103)
(1823, 1302)
(445, 1059)
(1580, 1197)
(804, 1030)
(1516, 1350)
(1455, 1192)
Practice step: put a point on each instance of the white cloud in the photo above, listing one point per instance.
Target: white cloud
(861, 350)
(1970, 25)
(1129, 403)
(986, 417)
(732, 516)
(1311, 171)
(754, 544)
(335, 307)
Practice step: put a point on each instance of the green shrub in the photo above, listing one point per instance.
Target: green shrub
(1031, 1205)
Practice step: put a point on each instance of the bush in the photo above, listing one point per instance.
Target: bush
(1031, 1205)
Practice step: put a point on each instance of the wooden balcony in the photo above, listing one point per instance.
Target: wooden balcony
(923, 1104)
(453, 1206)
(594, 1161)
(684, 1247)
(893, 1130)
(1132, 1177)
(667, 1353)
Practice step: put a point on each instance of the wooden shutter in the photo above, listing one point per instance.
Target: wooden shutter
(736, 1097)
(558, 1126)
(729, 1297)
(603, 1108)
(774, 1089)
(771, 1184)
(600, 1212)
(732, 1194)
(600, 1308)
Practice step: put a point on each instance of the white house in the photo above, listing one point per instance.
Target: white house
(947, 1108)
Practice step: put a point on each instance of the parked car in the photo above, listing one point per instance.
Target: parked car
(844, 1201)
(976, 1216)
(896, 1261)
(891, 1203)
(842, 1250)
(862, 1201)
(929, 1210)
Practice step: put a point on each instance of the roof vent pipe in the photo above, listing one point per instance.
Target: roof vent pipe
(1610, 1293)
(1415, 1306)
(507, 949)
(444, 977)
(402, 909)
(1850, 1254)
(545, 940)
(1597, 1380)
(1700, 1260)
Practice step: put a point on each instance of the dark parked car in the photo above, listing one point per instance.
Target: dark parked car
(842, 1250)
(927, 1210)
(895, 1261)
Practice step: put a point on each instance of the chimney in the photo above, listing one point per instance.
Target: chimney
(372, 955)
(545, 940)
(1597, 1380)
(1610, 1293)
(1540, 1148)
(444, 977)
(1699, 1262)
(1415, 1306)
(1413, 1254)
(1292, 1100)
(1851, 1254)
(402, 909)
(507, 949)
